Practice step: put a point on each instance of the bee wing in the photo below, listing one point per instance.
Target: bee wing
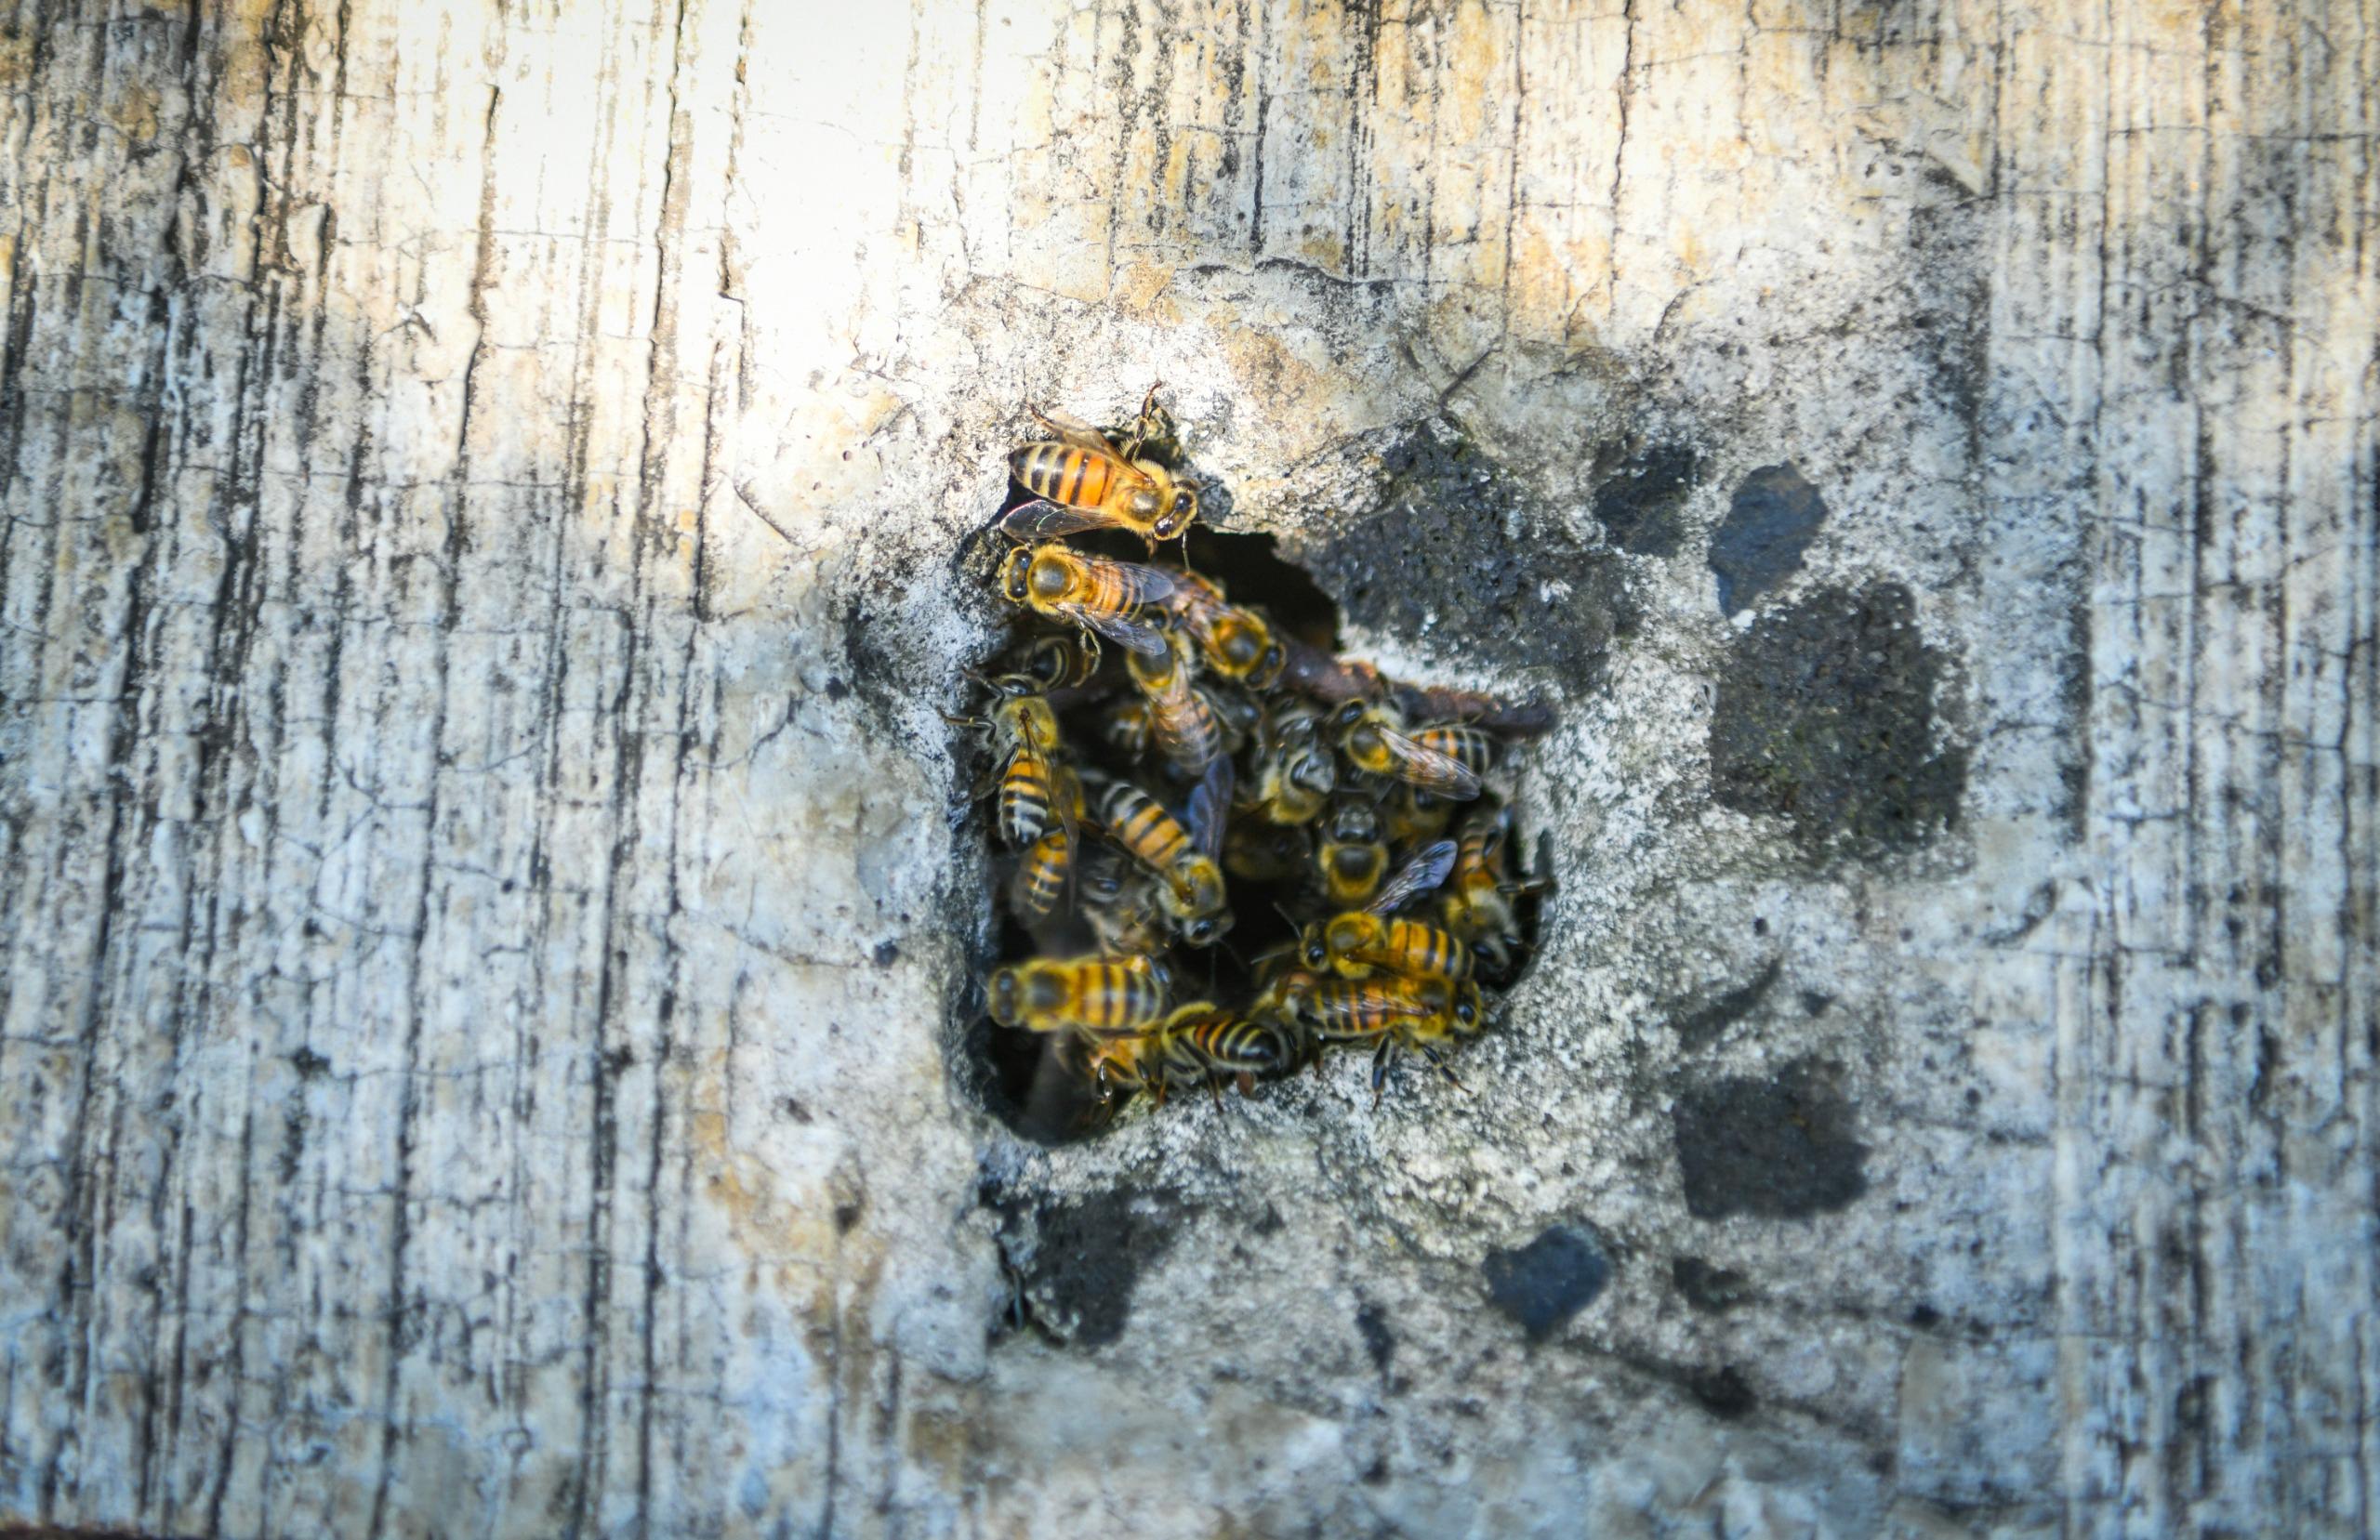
(1140, 585)
(1043, 521)
(1422, 875)
(1147, 640)
(1072, 429)
(1426, 768)
(1209, 807)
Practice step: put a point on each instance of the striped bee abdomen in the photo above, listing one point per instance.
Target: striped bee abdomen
(1024, 799)
(1041, 875)
(1155, 837)
(1063, 474)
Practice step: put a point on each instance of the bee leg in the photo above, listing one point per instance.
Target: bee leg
(1130, 448)
(1381, 1058)
(1247, 1082)
(1215, 1090)
(1438, 1060)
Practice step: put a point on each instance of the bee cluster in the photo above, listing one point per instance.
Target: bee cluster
(1167, 762)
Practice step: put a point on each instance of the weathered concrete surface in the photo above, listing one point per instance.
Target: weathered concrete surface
(485, 939)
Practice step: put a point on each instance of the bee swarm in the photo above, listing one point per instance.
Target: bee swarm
(1229, 850)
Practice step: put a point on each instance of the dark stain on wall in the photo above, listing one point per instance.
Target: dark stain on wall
(1825, 717)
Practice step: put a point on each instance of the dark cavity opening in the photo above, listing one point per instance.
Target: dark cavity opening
(1024, 1079)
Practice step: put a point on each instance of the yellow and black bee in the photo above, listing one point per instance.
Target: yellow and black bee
(1080, 480)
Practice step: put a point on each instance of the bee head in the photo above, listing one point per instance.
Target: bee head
(1013, 574)
(1355, 821)
(1313, 950)
(1207, 929)
(1180, 516)
(1001, 991)
(1316, 773)
(1348, 717)
(1467, 1008)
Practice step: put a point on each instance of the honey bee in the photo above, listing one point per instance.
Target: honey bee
(1180, 721)
(1477, 906)
(1394, 1014)
(1237, 643)
(1094, 997)
(1330, 678)
(1240, 1047)
(1334, 680)
(1119, 904)
(1048, 863)
(1197, 1042)
(1356, 941)
(1079, 481)
(1061, 662)
(1026, 732)
(1296, 772)
(1112, 599)
(1191, 881)
(1434, 703)
(1445, 760)
(1353, 856)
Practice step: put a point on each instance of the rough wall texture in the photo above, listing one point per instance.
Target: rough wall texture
(486, 941)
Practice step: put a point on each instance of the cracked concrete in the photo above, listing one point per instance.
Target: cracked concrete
(488, 935)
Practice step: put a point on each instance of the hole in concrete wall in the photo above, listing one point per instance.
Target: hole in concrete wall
(1034, 1083)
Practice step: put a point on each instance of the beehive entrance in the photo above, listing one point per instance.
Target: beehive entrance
(1105, 975)
(1022, 1080)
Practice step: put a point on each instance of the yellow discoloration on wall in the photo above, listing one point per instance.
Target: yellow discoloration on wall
(1138, 287)
(134, 110)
